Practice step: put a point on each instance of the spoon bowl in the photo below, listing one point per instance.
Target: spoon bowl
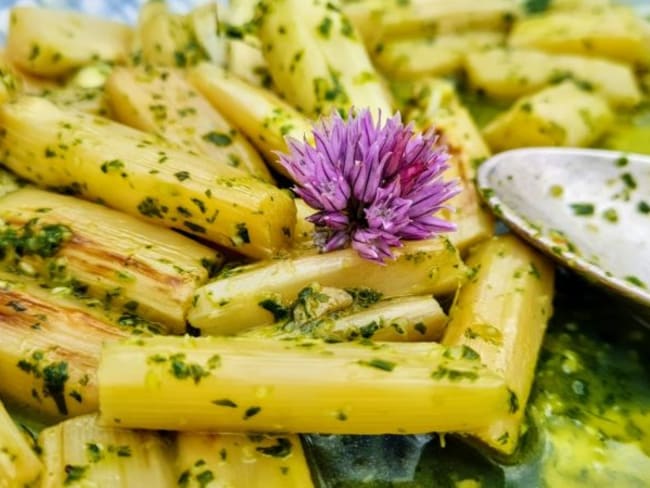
(587, 208)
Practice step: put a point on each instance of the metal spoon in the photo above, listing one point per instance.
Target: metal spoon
(587, 208)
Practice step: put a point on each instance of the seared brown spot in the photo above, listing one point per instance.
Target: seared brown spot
(115, 261)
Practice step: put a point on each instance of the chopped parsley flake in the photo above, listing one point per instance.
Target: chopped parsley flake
(629, 181)
(225, 402)
(251, 412)
(217, 138)
(113, 165)
(242, 233)
(74, 473)
(582, 209)
(281, 449)
(377, 363)
(611, 215)
(279, 311)
(635, 281)
(536, 6)
(622, 161)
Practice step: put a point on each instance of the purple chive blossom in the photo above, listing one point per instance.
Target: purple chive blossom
(373, 185)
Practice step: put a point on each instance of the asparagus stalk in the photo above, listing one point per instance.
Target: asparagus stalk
(560, 115)
(473, 222)
(438, 106)
(129, 171)
(246, 461)
(316, 58)
(501, 313)
(115, 258)
(406, 319)
(440, 55)
(77, 40)
(78, 452)
(160, 101)
(247, 62)
(49, 349)
(236, 384)
(11, 82)
(19, 465)
(618, 33)
(205, 25)
(166, 39)
(252, 296)
(88, 100)
(511, 73)
(378, 20)
(258, 113)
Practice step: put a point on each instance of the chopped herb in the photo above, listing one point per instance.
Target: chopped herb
(582, 209)
(453, 374)
(279, 311)
(199, 229)
(205, 478)
(325, 27)
(183, 211)
(182, 175)
(526, 107)
(513, 401)
(123, 451)
(151, 207)
(611, 215)
(182, 370)
(112, 165)
(534, 271)
(199, 204)
(469, 353)
(234, 160)
(211, 266)
(635, 281)
(503, 438)
(93, 452)
(76, 395)
(35, 52)
(217, 138)
(225, 402)
(461, 352)
(184, 479)
(74, 473)
(643, 207)
(622, 161)
(347, 30)
(420, 327)
(364, 297)
(180, 59)
(251, 412)
(537, 6)
(214, 361)
(556, 191)
(629, 181)
(242, 233)
(55, 376)
(368, 330)
(281, 449)
(377, 363)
